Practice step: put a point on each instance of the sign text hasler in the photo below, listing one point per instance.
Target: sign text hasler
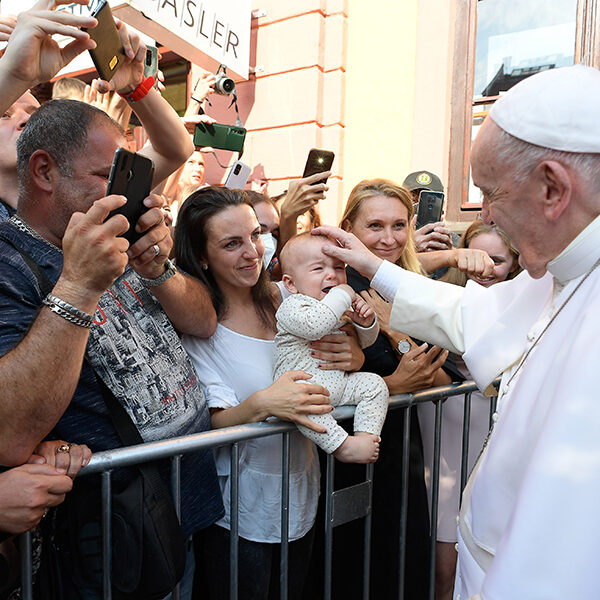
(220, 29)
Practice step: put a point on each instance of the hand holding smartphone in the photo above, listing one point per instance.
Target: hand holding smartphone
(108, 55)
(130, 176)
(318, 161)
(431, 205)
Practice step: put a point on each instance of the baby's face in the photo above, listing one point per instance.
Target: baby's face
(312, 272)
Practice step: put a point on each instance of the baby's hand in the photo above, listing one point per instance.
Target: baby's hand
(348, 290)
(362, 314)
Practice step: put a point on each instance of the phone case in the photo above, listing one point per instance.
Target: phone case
(317, 162)
(108, 55)
(237, 176)
(219, 136)
(151, 62)
(431, 205)
(130, 176)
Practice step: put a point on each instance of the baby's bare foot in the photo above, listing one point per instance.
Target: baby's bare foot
(359, 448)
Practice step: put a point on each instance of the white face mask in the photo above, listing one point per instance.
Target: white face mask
(270, 247)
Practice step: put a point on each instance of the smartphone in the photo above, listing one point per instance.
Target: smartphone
(317, 162)
(219, 136)
(431, 205)
(130, 176)
(151, 64)
(237, 176)
(108, 55)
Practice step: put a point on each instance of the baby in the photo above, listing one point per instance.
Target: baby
(319, 298)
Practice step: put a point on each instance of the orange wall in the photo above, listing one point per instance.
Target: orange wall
(296, 99)
(369, 80)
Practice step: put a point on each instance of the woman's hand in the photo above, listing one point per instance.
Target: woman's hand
(55, 454)
(342, 352)
(290, 399)
(475, 263)
(433, 236)
(417, 369)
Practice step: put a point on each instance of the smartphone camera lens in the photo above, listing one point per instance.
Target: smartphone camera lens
(237, 169)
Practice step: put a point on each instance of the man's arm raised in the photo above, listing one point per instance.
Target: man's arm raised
(170, 143)
(32, 56)
(40, 374)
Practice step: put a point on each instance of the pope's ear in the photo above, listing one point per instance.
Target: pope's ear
(557, 188)
(288, 282)
(43, 170)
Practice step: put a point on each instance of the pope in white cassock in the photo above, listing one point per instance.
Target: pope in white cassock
(529, 526)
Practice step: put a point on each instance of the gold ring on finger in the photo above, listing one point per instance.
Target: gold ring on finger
(63, 448)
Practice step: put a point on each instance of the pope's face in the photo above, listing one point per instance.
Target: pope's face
(514, 207)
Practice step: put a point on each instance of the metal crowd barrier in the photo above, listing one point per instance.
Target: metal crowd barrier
(341, 506)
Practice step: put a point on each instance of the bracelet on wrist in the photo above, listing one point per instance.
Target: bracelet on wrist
(68, 311)
(170, 270)
(141, 91)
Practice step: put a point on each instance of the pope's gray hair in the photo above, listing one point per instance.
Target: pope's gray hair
(521, 158)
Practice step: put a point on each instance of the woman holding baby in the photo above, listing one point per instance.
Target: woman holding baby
(218, 240)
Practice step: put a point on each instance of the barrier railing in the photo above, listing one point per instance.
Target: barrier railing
(341, 505)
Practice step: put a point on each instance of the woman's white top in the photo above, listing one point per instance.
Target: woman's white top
(231, 367)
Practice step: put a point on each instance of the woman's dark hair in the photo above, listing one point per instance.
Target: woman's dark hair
(257, 198)
(190, 247)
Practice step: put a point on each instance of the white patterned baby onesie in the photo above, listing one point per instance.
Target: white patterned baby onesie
(302, 319)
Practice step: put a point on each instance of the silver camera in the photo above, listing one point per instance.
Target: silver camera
(224, 85)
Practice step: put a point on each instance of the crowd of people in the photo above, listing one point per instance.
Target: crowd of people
(234, 307)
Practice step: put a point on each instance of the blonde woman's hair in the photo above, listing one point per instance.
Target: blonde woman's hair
(458, 277)
(383, 187)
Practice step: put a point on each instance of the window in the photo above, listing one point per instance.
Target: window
(503, 42)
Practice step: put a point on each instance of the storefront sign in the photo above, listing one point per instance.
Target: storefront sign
(193, 28)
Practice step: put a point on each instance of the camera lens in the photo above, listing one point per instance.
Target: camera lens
(224, 85)
(237, 169)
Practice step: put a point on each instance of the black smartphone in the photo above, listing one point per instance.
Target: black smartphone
(317, 162)
(431, 206)
(130, 176)
(108, 55)
(219, 136)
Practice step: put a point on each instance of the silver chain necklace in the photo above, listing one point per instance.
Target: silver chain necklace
(594, 267)
(22, 226)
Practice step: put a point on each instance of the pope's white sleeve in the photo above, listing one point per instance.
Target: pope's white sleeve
(423, 308)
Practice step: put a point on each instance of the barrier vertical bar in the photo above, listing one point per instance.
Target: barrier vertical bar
(404, 501)
(26, 568)
(176, 493)
(464, 462)
(328, 526)
(234, 521)
(107, 535)
(285, 515)
(367, 538)
(435, 490)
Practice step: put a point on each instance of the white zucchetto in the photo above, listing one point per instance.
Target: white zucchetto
(558, 109)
